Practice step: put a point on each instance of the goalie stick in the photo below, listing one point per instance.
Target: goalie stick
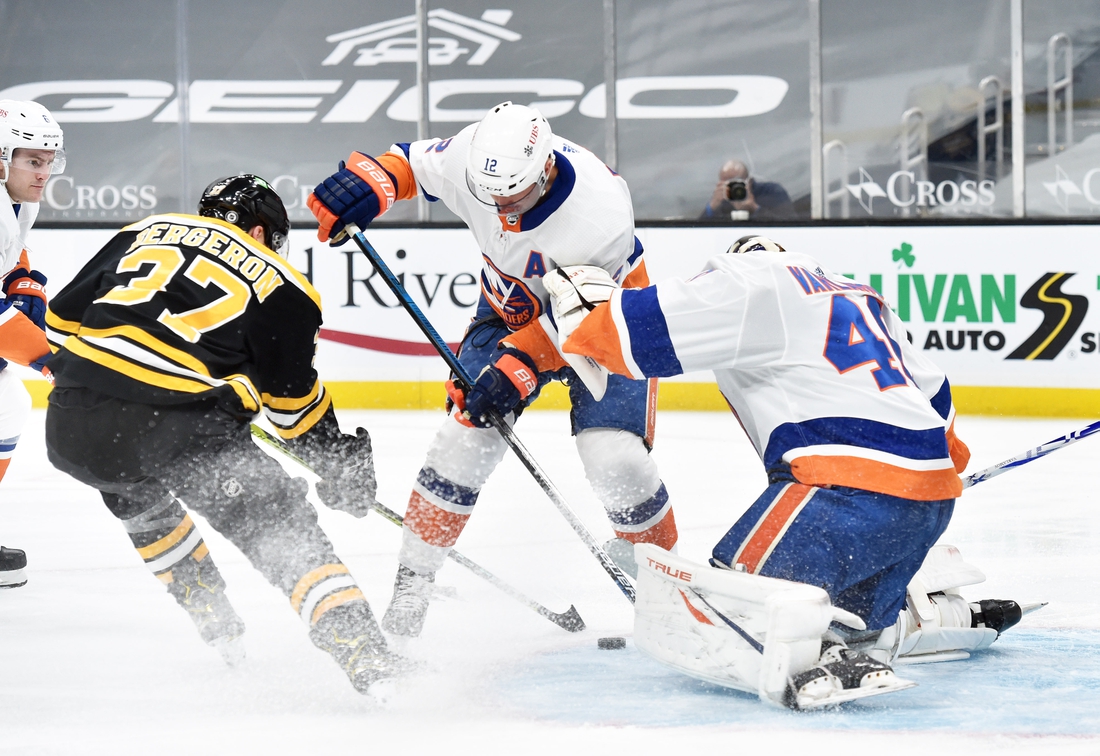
(498, 422)
(1030, 455)
(569, 620)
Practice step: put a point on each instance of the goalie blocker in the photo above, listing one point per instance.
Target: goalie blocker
(752, 633)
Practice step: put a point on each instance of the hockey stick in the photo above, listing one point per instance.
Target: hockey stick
(568, 620)
(757, 645)
(498, 422)
(1030, 455)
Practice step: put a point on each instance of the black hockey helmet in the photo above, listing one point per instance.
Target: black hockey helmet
(247, 201)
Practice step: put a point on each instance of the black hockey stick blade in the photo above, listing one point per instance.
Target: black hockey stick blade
(570, 620)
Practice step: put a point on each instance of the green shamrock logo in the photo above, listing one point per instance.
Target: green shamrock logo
(905, 254)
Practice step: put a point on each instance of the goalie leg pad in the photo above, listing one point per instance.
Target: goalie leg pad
(730, 628)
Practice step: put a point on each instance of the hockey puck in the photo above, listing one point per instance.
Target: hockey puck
(610, 644)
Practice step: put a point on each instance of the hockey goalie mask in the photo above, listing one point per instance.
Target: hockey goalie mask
(753, 243)
(30, 139)
(509, 160)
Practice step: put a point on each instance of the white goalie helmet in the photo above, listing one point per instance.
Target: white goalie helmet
(25, 124)
(508, 158)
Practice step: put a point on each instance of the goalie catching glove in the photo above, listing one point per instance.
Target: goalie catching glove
(501, 386)
(575, 290)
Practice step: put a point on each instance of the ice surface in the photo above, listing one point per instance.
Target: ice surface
(95, 657)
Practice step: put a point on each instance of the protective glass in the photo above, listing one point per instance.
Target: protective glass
(39, 161)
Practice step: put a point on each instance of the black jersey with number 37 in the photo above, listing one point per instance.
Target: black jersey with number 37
(178, 308)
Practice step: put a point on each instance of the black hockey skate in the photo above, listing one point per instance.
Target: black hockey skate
(411, 593)
(840, 675)
(200, 590)
(13, 562)
(350, 635)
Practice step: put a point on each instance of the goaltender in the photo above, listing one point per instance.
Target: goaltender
(169, 341)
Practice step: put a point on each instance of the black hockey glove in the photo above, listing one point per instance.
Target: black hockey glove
(347, 474)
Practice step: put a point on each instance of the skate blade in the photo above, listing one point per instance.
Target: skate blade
(844, 696)
(383, 692)
(13, 578)
(1029, 608)
(942, 656)
(231, 650)
(444, 592)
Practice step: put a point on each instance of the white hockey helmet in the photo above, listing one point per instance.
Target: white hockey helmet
(508, 158)
(24, 124)
(754, 242)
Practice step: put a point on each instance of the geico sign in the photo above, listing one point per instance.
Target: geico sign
(296, 101)
(63, 193)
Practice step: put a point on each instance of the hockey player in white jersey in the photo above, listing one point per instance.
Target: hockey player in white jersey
(30, 151)
(856, 431)
(532, 200)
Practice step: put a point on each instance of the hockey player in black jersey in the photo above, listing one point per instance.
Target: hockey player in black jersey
(168, 343)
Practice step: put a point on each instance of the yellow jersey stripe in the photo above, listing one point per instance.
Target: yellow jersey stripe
(312, 578)
(164, 350)
(308, 421)
(291, 403)
(159, 547)
(59, 324)
(133, 370)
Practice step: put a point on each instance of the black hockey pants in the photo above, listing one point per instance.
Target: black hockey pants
(138, 454)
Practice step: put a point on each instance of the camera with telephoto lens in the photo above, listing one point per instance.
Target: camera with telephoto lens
(737, 189)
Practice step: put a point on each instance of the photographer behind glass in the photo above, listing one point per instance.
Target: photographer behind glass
(739, 197)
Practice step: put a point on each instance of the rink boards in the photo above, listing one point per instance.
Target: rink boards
(1010, 312)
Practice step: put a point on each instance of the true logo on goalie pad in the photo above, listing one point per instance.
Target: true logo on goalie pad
(670, 571)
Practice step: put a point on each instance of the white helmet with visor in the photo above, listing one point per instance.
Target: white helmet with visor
(26, 125)
(510, 158)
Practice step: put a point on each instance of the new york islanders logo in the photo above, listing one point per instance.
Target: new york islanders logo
(509, 296)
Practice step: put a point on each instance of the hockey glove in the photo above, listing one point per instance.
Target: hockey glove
(26, 290)
(347, 473)
(501, 386)
(358, 192)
